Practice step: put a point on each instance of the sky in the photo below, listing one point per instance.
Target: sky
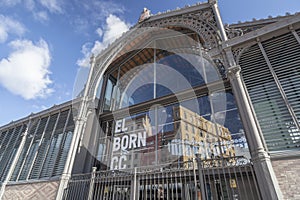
(45, 44)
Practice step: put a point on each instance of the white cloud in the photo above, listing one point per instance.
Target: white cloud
(99, 32)
(9, 2)
(25, 71)
(113, 29)
(41, 16)
(29, 4)
(87, 15)
(52, 5)
(9, 25)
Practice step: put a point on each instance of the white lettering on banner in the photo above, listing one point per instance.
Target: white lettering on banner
(123, 142)
(142, 139)
(120, 126)
(117, 163)
(133, 138)
(116, 144)
(131, 141)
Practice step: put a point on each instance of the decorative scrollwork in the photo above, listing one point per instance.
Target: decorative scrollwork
(233, 32)
(225, 162)
(202, 22)
(220, 68)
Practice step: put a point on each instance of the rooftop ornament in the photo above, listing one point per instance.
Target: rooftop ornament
(145, 15)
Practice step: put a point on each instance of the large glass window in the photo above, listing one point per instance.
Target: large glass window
(174, 133)
(163, 67)
(168, 103)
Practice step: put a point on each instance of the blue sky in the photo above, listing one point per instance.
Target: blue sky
(45, 43)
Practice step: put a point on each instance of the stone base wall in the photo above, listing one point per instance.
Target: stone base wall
(288, 175)
(30, 191)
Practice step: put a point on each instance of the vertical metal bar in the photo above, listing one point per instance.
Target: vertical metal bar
(248, 179)
(154, 72)
(156, 184)
(109, 180)
(166, 187)
(92, 184)
(146, 179)
(296, 35)
(255, 181)
(242, 177)
(135, 184)
(195, 178)
(162, 178)
(171, 182)
(101, 183)
(142, 186)
(189, 181)
(125, 187)
(113, 182)
(237, 180)
(206, 182)
(152, 186)
(181, 183)
(224, 163)
(214, 180)
(220, 181)
(95, 186)
(230, 178)
(176, 184)
(200, 171)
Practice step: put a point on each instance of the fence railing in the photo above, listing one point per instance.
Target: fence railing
(216, 179)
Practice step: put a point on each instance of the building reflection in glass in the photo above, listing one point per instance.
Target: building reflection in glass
(172, 134)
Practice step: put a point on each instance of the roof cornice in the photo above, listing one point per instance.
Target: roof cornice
(253, 35)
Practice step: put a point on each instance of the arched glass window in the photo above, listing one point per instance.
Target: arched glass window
(163, 67)
(175, 100)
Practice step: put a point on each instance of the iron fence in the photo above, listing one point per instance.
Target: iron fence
(215, 179)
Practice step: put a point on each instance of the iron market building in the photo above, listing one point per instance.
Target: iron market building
(181, 106)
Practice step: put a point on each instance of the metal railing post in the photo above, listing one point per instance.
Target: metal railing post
(200, 172)
(135, 184)
(91, 188)
(195, 178)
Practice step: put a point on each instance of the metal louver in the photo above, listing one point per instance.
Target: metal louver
(8, 150)
(24, 152)
(273, 89)
(55, 143)
(40, 157)
(33, 148)
(65, 147)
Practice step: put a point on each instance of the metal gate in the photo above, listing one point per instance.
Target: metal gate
(217, 179)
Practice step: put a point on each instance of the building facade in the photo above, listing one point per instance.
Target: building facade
(170, 109)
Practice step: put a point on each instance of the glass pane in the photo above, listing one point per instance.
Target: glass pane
(175, 133)
(166, 66)
(139, 88)
(176, 73)
(108, 102)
